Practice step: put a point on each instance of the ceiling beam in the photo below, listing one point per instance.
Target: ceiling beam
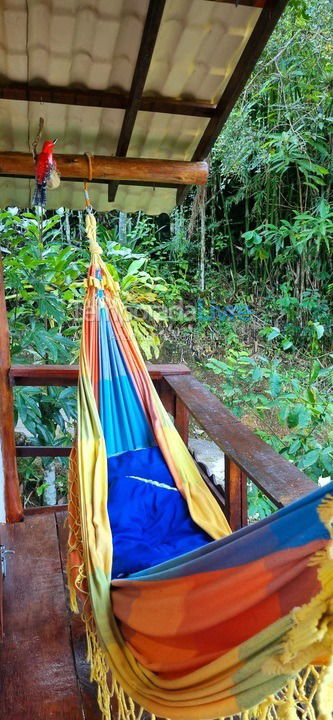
(248, 3)
(149, 183)
(261, 33)
(104, 99)
(105, 168)
(147, 45)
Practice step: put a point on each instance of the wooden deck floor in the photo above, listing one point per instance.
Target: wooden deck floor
(43, 671)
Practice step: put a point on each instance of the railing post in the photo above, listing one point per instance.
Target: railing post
(13, 506)
(166, 395)
(182, 420)
(235, 495)
(176, 408)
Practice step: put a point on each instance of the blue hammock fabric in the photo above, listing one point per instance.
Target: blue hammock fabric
(150, 519)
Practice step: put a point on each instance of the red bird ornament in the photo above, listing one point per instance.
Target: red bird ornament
(46, 175)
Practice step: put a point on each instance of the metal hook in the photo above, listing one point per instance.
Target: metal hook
(3, 558)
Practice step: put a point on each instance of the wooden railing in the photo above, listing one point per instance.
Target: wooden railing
(246, 455)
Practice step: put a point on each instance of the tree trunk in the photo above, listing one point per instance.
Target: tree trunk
(122, 227)
(67, 227)
(50, 492)
(202, 238)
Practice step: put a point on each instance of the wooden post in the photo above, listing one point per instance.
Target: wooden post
(13, 506)
(182, 420)
(235, 495)
(175, 407)
(166, 395)
(1, 601)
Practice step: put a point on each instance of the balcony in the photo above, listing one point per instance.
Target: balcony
(56, 684)
(184, 397)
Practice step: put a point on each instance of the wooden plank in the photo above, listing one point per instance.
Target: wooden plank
(88, 689)
(261, 33)
(167, 396)
(182, 420)
(248, 3)
(281, 481)
(140, 183)
(235, 495)
(13, 506)
(42, 451)
(32, 375)
(172, 106)
(104, 99)
(54, 375)
(105, 168)
(38, 678)
(42, 509)
(147, 45)
(1, 605)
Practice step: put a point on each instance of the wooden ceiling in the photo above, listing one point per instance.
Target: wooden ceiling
(136, 101)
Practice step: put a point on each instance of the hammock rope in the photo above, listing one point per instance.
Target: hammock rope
(278, 574)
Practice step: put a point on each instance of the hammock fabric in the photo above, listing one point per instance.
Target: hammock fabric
(192, 622)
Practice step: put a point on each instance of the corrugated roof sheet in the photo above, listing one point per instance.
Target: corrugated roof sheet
(94, 45)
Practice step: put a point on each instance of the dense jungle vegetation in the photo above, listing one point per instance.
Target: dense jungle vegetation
(237, 282)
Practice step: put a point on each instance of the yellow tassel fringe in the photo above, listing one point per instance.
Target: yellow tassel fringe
(309, 694)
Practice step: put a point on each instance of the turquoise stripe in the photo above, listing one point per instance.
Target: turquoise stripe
(123, 419)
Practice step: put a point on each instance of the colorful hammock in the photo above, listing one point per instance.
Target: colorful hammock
(192, 622)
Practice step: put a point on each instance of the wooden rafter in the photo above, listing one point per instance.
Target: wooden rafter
(262, 31)
(104, 168)
(104, 99)
(248, 3)
(147, 45)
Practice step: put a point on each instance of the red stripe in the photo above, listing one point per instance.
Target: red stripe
(174, 626)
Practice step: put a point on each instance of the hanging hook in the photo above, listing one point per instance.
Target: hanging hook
(37, 138)
(85, 184)
(87, 198)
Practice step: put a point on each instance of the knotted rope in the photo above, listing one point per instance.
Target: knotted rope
(91, 228)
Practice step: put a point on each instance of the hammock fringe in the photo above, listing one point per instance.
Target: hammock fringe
(309, 692)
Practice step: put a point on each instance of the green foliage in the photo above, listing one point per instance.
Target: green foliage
(44, 273)
(259, 506)
(272, 165)
(268, 247)
(43, 283)
(293, 406)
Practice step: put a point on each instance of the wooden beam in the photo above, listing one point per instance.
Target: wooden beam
(32, 375)
(104, 168)
(281, 481)
(147, 45)
(13, 505)
(45, 509)
(235, 495)
(182, 420)
(262, 31)
(140, 183)
(1, 606)
(42, 451)
(104, 99)
(248, 3)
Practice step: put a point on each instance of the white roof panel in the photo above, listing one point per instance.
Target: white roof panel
(94, 45)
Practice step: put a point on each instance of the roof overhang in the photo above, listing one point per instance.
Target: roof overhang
(139, 79)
